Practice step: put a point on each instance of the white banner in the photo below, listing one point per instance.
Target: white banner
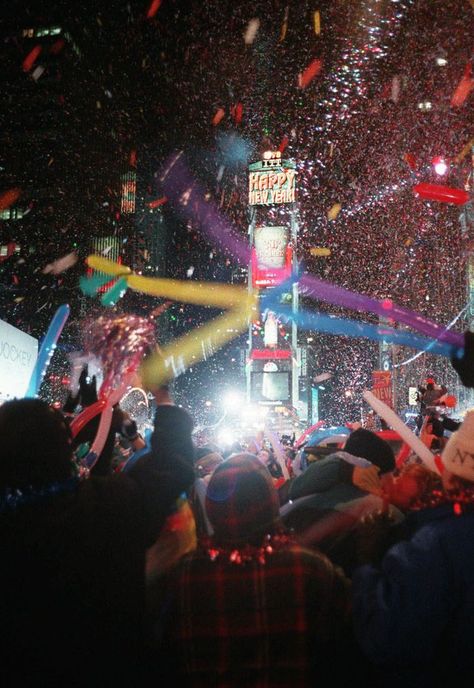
(18, 353)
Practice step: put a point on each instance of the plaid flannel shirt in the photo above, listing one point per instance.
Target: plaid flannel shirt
(261, 623)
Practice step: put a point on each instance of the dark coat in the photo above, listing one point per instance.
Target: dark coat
(414, 616)
(72, 577)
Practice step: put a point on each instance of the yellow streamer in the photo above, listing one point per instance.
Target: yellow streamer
(196, 346)
(320, 251)
(317, 22)
(334, 211)
(201, 342)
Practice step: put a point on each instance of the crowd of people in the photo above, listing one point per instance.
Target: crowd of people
(182, 563)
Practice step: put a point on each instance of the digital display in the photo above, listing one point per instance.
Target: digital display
(271, 386)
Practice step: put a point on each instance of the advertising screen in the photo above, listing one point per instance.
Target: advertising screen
(271, 386)
(271, 256)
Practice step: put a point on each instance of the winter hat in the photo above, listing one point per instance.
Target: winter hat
(458, 454)
(241, 501)
(368, 445)
(206, 459)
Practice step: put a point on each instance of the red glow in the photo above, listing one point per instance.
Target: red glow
(30, 59)
(153, 9)
(157, 202)
(9, 197)
(309, 73)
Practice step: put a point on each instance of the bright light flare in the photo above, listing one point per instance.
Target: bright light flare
(225, 437)
(440, 165)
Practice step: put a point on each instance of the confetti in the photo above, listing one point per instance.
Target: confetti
(284, 26)
(156, 203)
(61, 264)
(251, 31)
(463, 88)
(153, 9)
(334, 211)
(311, 71)
(218, 116)
(317, 22)
(8, 198)
(31, 58)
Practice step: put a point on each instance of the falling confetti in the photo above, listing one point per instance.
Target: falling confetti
(334, 211)
(62, 264)
(311, 71)
(218, 116)
(251, 31)
(31, 58)
(317, 22)
(153, 9)
(8, 198)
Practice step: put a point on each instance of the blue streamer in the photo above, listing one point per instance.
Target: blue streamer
(353, 328)
(47, 349)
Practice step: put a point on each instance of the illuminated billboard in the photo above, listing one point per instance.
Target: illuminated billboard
(271, 256)
(272, 180)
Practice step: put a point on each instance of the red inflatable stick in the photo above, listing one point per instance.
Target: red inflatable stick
(444, 194)
(86, 415)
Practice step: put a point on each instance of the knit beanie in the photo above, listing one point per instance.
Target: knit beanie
(368, 445)
(241, 501)
(458, 454)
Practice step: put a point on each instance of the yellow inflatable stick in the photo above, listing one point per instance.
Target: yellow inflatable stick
(334, 211)
(196, 346)
(200, 343)
(108, 266)
(317, 22)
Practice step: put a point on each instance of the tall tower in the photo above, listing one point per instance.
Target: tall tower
(273, 367)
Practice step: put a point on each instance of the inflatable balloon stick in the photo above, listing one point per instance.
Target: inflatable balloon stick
(47, 349)
(198, 345)
(178, 179)
(396, 423)
(354, 328)
(199, 293)
(325, 291)
(441, 193)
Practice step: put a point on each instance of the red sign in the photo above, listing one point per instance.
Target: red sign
(258, 354)
(382, 386)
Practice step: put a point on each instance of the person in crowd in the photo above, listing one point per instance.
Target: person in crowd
(207, 458)
(429, 395)
(250, 607)
(413, 612)
(335, 492)
(73, 548)
(432, 431)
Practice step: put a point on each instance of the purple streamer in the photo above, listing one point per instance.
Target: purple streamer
(179, 181)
